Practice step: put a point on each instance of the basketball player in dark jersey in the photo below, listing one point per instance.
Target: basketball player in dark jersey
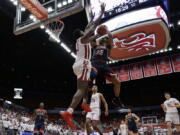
(131, 120)
(99, 63)
(41, 118)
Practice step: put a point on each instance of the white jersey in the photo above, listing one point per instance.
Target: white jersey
(83, 51)
(169, 104)
(82, 66)
(123, 129)
(95, 101)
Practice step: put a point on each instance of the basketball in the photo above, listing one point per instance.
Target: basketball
(102, 30)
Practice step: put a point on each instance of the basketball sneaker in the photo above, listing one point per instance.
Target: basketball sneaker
(86, 107)
(68, 118)
(117, 102)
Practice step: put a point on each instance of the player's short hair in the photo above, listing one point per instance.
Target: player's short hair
(94, 85)
(77, 34)
(167, 92)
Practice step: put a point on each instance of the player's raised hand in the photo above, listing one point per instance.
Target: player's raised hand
(92, 15)
(103, 5)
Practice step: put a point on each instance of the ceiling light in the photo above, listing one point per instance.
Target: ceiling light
(23, 9)
(64, 2)
(65, 47)
(170, 49)
(50, 9)
(15, 3)
(161, 51)
(34, 19)
(171, 25)
(73, 55)
(42, 26)
(178, 47)
(178, 22)
(165, 50)
(59, 5)
(8, 102)
(70, 1)
(31, 16)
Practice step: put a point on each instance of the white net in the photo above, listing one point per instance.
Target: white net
(55, 27)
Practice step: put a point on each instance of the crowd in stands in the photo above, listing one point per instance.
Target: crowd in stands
(17, 122)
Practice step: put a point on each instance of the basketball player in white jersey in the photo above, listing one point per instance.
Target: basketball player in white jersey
(82, 67)
(123, 130)
(93, 117)
(170, 108)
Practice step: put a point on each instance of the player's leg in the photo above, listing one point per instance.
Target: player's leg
(97, 127)
(117, 85)
(93, 75)
(42, 128)
(85, 104)
(96, 121)
(67, 115)
(177, 128)
(88, 125)
(169, 128)
(176, 122)
(111, 76)
(81, 90)
(130, 132)
(136, 133)
(35, 132)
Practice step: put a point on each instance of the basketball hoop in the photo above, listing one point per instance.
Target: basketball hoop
(55, 27)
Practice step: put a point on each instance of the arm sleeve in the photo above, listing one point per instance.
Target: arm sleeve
(176, 101)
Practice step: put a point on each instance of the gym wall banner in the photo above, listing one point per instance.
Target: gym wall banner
(148, 68)
(176, 62)
(163, 65)
(136, 71)
(123, 73)
(139, 33)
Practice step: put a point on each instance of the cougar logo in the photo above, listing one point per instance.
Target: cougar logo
(137, 42)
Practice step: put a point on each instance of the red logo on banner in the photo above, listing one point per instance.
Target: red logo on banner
(136, 42)
(123, 73)
(136, 71)
(140, 39)
(176, 62)
(164, 65)
(149, 67)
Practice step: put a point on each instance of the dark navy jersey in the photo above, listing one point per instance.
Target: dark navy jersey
(40, 115)
(100, 54)
(131, 120)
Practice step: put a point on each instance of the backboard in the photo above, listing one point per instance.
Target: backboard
(31, 14)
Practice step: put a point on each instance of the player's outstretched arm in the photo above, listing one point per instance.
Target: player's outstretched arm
(163, 107)
(110, 40)
(105, 104)
(88, 37)
(177, 105)
(97, 21)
